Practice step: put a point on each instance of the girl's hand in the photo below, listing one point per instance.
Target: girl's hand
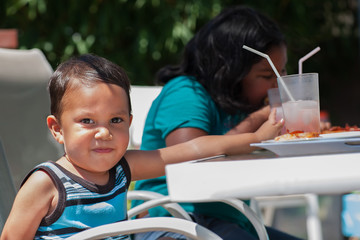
(252, 122)
(270, 129)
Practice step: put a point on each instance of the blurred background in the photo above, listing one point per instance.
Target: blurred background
(144, 35)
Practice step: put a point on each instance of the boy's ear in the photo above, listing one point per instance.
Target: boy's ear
(55, 128)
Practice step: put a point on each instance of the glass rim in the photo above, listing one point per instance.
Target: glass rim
(298, 74)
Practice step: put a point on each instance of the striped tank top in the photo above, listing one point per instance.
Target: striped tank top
(82, 204)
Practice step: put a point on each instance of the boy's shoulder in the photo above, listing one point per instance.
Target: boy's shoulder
(38, 178)
(39, 170)
(39, 175)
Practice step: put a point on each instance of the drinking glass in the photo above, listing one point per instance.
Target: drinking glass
(300, 102)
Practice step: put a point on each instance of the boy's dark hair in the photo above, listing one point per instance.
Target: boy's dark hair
(87, 69)
(215, 57)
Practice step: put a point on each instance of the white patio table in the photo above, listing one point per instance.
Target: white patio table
(243, 177)
(264, 174)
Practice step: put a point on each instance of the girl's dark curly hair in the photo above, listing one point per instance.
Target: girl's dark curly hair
(216, 58)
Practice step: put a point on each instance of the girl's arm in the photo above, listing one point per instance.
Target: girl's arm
(181, 135)
(150, 164)
(32, 203)
(252, 122)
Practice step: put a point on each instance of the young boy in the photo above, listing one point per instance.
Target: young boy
(91, 116)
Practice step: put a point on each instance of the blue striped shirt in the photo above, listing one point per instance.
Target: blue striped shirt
(82, 204)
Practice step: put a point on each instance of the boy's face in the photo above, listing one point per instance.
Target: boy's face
(94, 125)
(262, 77)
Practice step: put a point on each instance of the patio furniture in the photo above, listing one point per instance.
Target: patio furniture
(185, 227)
(156, 199)
(141, 100)
(180, 223)
(173, 208)
(24, 106)
(316, 174)
(18, 65)
(7, 188)
(268, 205)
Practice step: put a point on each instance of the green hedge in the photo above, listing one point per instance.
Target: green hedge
(143, 36)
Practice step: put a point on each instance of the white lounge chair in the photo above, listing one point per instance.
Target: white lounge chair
(7, 188)
(24, 105)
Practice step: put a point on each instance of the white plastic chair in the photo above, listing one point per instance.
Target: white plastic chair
(173, 208)
(24, 65)
(184, 227)
(156, 199)
(141, 100)
(266, 206)
(7, 188)
(176, 210)
(24, 105)
(181, 221)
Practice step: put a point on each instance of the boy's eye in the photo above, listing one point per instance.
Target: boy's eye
(116, 120)
(87, 121)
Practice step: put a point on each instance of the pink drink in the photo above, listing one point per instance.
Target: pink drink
(302, 115)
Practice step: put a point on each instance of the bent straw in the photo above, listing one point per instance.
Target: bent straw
(273, 67)
(304, 58)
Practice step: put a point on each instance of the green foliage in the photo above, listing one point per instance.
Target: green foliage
(144, 35)
(139, 35)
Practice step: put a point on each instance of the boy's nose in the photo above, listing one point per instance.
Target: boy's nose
(103, 133)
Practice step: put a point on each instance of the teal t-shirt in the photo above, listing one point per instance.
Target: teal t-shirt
(183, 102)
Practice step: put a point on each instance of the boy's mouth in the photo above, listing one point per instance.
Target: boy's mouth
(103, 150)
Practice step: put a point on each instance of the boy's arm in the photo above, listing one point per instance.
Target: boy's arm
(150, 164)
(32, 203)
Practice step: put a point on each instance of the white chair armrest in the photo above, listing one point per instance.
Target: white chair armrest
(187, 228)
(250, 214)
(173, 208)
(157, 199)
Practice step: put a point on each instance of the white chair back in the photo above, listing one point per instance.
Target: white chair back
(7, 188)
(141, 100)
(24, 105)
(24, 65)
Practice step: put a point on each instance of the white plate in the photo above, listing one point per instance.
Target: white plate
(312, 146)
(341, 134)
(293, 140)
(349, 134)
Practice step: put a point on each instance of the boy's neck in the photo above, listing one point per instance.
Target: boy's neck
(99, 178)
